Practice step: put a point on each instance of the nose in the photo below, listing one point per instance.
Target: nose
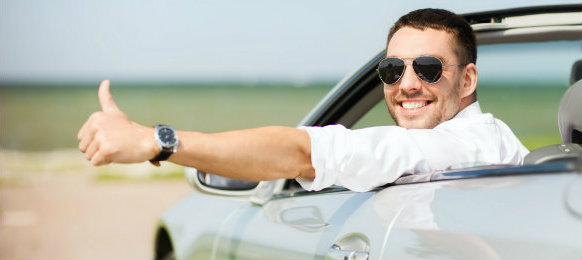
(409, 81)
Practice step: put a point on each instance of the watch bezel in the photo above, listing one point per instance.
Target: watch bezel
(166, 145)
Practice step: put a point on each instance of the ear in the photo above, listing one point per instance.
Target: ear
(469, 80)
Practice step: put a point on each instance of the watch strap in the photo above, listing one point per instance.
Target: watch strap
(163, 155)
(165, 152)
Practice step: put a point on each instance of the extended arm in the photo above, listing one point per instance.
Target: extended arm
(266, 153)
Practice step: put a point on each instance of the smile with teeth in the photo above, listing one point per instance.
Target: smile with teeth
(412, 105)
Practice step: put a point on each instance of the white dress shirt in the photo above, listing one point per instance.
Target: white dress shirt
(363, 159)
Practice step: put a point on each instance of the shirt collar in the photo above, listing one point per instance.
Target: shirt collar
(470, 110)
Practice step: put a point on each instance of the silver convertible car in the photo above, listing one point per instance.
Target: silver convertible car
(531, 211)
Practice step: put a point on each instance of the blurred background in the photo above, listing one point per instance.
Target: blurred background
(196, 65)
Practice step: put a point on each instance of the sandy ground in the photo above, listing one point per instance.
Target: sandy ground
(63, 212)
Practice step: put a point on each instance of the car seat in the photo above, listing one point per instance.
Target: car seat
(576, 73)
(570, 114)
(570, 126)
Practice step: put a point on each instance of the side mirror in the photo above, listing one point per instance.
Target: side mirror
(223, 183)
(258, 192)
(216, 184)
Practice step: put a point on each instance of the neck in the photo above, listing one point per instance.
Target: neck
(465, 102)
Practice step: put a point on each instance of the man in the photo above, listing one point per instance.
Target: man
(430, 79)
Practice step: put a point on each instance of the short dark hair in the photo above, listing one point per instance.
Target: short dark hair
(440, 19)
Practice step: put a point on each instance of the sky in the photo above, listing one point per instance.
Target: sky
(222, 40)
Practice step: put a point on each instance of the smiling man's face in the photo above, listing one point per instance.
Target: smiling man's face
(412, 102)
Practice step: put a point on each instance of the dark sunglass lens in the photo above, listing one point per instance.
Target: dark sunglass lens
(428, 68)
(390, 70)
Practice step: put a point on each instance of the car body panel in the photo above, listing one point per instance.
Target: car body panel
(420, 220)
(479, 219)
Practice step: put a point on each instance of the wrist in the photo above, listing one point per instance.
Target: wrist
(167, 142)
(151, 146)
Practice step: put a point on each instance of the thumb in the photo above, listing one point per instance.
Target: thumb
(105, 98)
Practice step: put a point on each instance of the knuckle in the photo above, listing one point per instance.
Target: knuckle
(96, 117)
(93, 116)
(107, 150)
(89, 156)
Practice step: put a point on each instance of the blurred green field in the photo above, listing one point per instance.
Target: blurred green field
(36, 118)
(46, 117)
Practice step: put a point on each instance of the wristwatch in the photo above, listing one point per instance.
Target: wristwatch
(167, 140)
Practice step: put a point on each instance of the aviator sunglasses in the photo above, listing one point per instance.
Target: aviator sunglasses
(427, 68)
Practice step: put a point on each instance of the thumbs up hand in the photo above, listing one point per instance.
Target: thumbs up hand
(109, 136)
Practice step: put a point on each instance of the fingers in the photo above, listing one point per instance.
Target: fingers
(96, 155)
(85, 132)
(92, 148)
(109, 135)
(85, 142)
(89, 143)
(106, 99)
(99, 159)
(96, 135)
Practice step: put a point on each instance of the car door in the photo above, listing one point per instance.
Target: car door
(522, 215)
(302, 225)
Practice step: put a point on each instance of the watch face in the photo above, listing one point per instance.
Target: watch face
(167, 137)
